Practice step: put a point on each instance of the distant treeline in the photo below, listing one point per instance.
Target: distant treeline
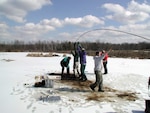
(139, 50)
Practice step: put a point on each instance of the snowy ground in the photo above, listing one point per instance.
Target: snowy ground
(125, 86)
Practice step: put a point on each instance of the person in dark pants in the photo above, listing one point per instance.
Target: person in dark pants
(75, 61)
(98, 66)
(105, 61)
(65, 63)
(82, 54)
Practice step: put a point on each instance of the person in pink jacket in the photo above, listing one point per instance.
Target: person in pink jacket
(105, 61)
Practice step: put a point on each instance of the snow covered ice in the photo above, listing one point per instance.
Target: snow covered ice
(126, 86)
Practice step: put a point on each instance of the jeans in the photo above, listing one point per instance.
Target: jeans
(82, 69)
(99, 80)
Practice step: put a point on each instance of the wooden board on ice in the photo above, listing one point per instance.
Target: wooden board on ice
(54, 76)
(65, 76)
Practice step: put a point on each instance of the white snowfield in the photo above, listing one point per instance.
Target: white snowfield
(125, 85)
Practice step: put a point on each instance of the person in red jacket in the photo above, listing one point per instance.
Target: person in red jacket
(105, 61)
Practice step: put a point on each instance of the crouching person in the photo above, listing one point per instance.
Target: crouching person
(65, 64)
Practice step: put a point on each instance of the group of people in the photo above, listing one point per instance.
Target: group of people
(79, 54)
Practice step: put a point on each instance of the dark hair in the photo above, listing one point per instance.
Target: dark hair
(97, 53)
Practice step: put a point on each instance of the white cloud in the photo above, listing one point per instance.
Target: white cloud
(65, 36)
(3, 30)
(35, 32)
(52, 22)
(86, 21)
(16, 10)
(115, 8)
(26, 33)
(3, 26)
(38, 31)
(37, 27)
(73, 21)
(33, 29)
(134, 13)
(139, 29)
(115, 36)
(136, 7)
(131, 16)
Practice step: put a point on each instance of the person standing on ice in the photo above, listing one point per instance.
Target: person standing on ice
(76, 61)
(98, 66)
(82, 54)
(105, 61)
(65, 63)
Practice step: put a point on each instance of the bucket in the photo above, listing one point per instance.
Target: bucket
(49, 83)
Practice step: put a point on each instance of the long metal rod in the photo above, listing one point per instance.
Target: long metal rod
(113, 30)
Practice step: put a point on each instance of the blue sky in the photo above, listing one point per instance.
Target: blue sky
(67, 20)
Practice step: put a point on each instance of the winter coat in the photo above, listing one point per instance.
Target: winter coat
(65, 62)
(105, 58)
(98, 62)
(82, 56)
